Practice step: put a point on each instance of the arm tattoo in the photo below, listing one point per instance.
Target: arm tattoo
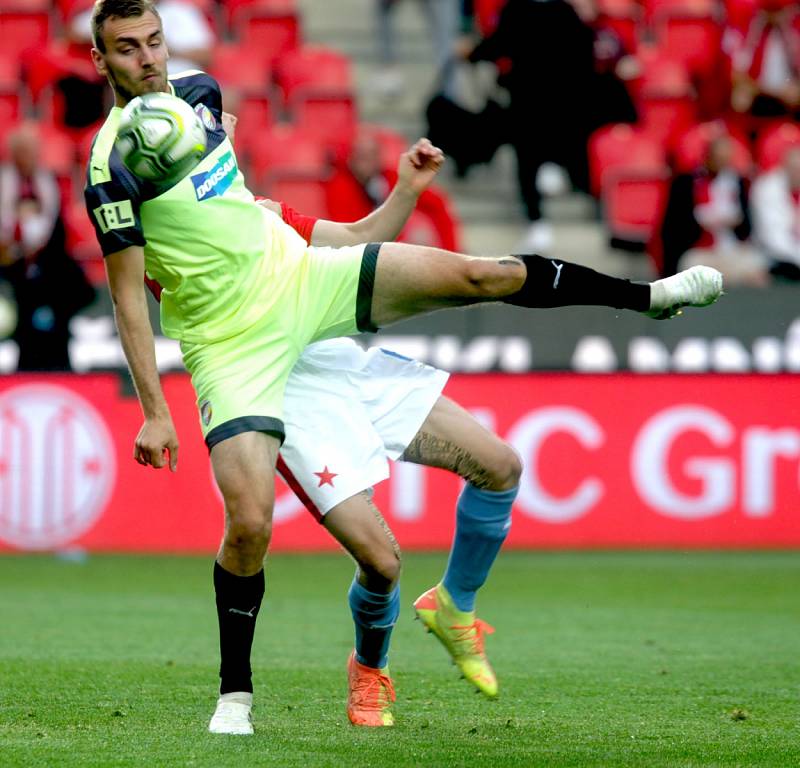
(434, 451)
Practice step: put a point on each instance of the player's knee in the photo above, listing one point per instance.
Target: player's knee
(494, 277)
(249, 527)
(505, 470)
(381, 569)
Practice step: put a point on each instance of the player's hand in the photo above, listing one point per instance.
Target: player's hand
(419, 165)
(156, 444)
(229, 124)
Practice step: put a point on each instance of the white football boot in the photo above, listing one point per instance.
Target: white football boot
(695, 287)
(232, 715)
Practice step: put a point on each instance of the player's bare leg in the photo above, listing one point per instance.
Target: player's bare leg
(452, 439)
(244, 468)
(374, 599)
(411, 280)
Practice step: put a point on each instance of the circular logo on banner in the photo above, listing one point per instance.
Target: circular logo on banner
(57, 466)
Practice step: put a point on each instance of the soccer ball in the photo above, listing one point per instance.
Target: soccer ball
(160, 137)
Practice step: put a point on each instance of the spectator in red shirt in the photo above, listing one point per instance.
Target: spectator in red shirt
(362, 182)
(765, 62)
(49, 287)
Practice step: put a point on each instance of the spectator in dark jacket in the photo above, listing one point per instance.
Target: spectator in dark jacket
(707, 220)
(551, 53)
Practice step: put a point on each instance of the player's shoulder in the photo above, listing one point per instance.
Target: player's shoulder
(105, 166)
(195, 86)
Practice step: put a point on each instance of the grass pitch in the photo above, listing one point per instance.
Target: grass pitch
(611, 659)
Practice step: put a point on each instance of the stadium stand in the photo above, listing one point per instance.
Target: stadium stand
(288, 92)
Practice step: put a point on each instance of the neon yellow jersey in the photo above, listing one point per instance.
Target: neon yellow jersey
(206, 241)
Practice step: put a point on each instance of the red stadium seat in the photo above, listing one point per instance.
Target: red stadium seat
(246, 81)
(287, 148)
(773, 142)
(318, 88)
(21, 30)
(329, 115)
(666, 117)
(255, 119)
(693, 39)
(691, 147)
(634, 203)
(313, 67)
(621, 146)
(241, 68)
(303, 191)
(271, 26)
(664, 95)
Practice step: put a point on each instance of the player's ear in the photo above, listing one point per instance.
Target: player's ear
(99, 62)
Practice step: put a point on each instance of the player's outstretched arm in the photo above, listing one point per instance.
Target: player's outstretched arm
(157, 437)
(416, 170)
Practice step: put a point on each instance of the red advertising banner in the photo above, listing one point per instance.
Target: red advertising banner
(610, 461)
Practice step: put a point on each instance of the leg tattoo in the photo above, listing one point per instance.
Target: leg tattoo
(434, 451)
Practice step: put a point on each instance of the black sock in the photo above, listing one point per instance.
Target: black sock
(238, 601)
(556, 283)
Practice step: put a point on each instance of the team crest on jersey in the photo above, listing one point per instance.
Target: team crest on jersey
(215, 182)
(206, 116)
(206, 412)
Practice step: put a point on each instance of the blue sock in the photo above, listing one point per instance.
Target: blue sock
(483, 519)
(375, 616)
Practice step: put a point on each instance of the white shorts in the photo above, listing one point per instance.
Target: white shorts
(346, 412)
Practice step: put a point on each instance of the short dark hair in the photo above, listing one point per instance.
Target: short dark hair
(116, 9)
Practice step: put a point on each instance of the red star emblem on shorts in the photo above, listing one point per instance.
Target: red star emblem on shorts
(325, 477)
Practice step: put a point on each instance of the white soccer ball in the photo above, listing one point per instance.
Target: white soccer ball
(160, 137)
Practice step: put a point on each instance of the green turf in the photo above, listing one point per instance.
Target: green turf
(610, 659)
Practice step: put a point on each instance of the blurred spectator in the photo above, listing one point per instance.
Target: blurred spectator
(49, 287)
(776, 215)
(443, 20)
(64, 68)
(614, 66)
(361, 183)
(551, 53)
(766, 62)
(189, 35)
(707, 220)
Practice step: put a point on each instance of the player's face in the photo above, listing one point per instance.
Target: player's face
(135, 59)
